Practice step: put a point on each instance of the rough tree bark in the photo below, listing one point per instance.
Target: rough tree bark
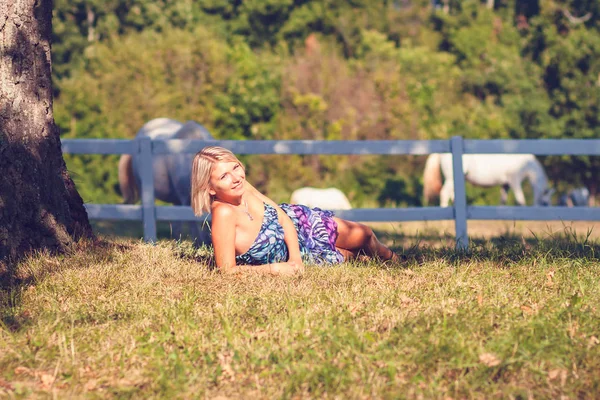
(39, 205)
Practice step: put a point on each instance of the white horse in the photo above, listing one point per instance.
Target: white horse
(487, 170)
(171, 171)
(326, 199)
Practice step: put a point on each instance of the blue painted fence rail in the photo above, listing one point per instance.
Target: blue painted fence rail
(460, 212)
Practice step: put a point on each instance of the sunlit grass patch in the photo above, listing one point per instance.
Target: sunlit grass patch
(511, 318)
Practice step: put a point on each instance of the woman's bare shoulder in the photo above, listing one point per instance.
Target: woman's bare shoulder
(223, 211)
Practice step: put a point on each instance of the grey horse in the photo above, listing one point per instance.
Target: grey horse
(171, 171)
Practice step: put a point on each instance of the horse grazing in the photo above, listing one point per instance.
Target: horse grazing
(326, 199)
(505, 170)
(171, 171)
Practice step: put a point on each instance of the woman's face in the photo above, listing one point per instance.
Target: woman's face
(227, 180)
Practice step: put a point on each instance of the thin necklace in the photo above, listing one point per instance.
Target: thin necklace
(248, 212)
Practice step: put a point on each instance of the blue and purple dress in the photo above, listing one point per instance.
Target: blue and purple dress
(317, 233)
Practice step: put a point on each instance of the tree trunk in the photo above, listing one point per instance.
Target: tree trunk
(446, 6)
(91, 22)
(490, 4)
(39, 205)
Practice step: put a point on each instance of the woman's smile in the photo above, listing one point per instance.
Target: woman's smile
(227, 179)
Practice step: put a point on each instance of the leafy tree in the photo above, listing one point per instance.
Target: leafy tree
(249, 102)
(511, 98)
(330, 69)
(79, 24)
(263, 23)
(569, 55)
(119, 88)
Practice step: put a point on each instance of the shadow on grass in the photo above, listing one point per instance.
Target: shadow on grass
(505, 249)
(135, 230)
(201, 254)
(15, 280)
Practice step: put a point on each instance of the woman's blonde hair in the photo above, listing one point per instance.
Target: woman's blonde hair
(201, 170)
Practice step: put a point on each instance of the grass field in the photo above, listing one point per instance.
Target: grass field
(517, 317)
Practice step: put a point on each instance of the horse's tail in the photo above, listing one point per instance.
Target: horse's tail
(432, 178)
(129, 189)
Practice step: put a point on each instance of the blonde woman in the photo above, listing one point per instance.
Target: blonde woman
(250, 232)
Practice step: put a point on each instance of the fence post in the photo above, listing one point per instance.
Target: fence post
(147, 190)
(460, 196)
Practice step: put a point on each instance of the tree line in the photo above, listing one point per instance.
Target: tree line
(330, 69)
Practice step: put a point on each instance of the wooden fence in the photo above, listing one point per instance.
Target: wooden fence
(460, 212)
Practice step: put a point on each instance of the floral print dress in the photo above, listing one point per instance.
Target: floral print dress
(317, 233)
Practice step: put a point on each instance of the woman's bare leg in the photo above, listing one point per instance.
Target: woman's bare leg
(348, 255)
(357, 238)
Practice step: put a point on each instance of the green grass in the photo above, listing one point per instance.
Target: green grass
(514, 318)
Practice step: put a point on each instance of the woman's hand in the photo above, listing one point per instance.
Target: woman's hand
(289, 268)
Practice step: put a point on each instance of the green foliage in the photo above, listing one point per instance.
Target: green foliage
(265, 22)
(508, 90)
(250, 99)
(259, 21)
(569, 57)
(95, 177)
(431, 82)
(370, 70)
(119, 88)
(176, 75)
(79, 24)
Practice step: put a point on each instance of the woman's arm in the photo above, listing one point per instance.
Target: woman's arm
(290, 235)
(288, 268)
(224, 222)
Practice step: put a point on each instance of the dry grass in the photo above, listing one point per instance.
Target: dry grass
(511, 319)
(441, 233)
